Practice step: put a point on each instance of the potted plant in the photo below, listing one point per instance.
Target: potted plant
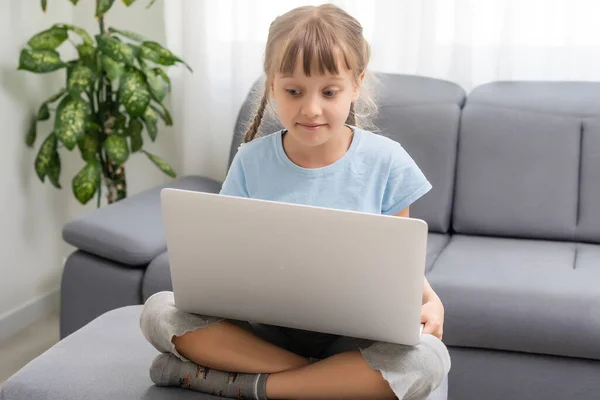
(114, 90)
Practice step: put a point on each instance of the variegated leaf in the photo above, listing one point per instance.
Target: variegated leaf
(49, 39)
(32, 132)
(116, 49)
(155, 83)
(158, 54)
(70, 122)
(44, 156)
(134, 131)
(80, 79)
(88, 145)
(88, 55)
(86, 182)
(54, 170)
(102, 6)
(134, 92)
(164, 114)
(150, 118)
(113, 69)
(128, 34)
(40, 61)
(87, 39)
(162, 165)
(164, 76)
(116, 148)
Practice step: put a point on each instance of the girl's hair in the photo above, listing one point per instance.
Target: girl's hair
(321, 33)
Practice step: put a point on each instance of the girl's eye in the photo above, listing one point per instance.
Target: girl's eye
(293, 92)
(329, 93)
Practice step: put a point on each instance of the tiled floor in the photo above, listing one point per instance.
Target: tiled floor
(16, 351)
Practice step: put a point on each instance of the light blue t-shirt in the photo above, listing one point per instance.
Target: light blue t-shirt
(376, 175)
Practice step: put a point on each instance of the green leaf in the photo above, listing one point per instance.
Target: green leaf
(128, 34)
(80, 79)
(164, 76)
(115, 49)
(161, 164)
(87, 39)
(134, 92)
(40, 61)
(32, 132)
(88, 55)
(70, 121)
(164, 114)
(156, 53)
(128, 2)
(44, 5)
(155, 83)
(134, 131)
(86, 182)
(151, 119)
(88, 145)
(74, 2)
(54, 170)
(45, 155)
(116, 148)
(120, 125)
(49, 39)
(113, 69)
(43, 113)
(102, 6)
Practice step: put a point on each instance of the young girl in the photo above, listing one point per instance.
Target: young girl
(315, 63)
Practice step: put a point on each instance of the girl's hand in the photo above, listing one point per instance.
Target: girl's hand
(432, 315)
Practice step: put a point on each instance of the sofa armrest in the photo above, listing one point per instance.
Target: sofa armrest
(130, 231)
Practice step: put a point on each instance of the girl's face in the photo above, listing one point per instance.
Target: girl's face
(314, 108)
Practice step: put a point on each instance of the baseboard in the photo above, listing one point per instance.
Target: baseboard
(23, 316)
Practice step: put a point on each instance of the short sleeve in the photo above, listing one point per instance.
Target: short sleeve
(406, 184)
(235, 182)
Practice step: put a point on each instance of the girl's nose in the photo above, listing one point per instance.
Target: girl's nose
(311, 108)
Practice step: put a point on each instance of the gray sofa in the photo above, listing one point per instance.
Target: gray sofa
(513, 250)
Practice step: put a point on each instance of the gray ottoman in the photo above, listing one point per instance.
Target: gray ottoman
(106, 359)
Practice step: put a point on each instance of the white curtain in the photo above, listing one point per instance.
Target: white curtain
(469, 42)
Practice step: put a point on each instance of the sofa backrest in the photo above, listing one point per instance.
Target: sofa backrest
(422, 114)
(529, 161)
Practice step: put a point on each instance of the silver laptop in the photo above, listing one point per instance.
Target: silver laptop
(311, 268)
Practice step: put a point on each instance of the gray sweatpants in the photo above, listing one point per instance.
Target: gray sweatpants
(412, 372)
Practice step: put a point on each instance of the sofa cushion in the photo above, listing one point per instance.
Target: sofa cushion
(435, 244)
(93, 285)
(158, 273)
(520, 295)
(129, 231)
(528, 160)
(157, 277)
(517, 174)
(107, 359)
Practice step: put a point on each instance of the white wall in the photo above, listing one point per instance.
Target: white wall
(31, 213)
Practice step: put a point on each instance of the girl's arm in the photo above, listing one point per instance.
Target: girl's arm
(432, 314)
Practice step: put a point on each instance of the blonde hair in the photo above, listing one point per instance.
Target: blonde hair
(318, 34)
